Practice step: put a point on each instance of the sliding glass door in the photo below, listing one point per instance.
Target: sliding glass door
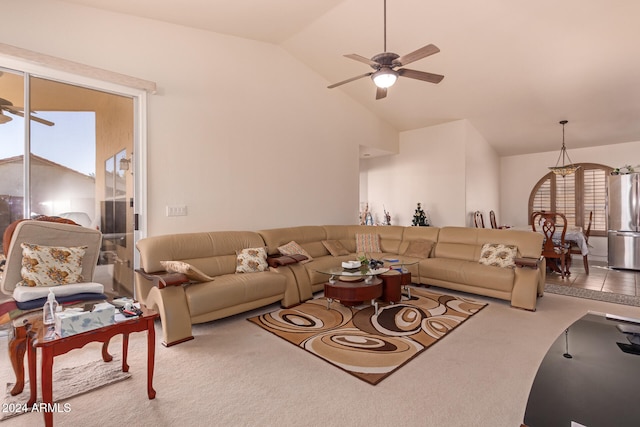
(73, 160)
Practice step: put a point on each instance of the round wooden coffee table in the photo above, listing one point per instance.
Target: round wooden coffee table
(353, 292)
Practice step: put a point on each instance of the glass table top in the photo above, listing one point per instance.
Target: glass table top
(589, 376)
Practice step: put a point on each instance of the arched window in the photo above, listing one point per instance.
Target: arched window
(575, 196)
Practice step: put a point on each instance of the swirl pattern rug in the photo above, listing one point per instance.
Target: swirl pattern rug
(369, 346)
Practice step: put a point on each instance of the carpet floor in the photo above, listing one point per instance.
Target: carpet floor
(366, 344)
(67, 382)
(235, 374)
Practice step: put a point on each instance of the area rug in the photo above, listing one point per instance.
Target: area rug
(67, 382)
(369, 346)
(592, 294)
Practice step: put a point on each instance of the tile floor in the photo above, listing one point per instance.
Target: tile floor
(600, 278)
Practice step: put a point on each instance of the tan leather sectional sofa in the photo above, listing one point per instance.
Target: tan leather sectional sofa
(452, 263)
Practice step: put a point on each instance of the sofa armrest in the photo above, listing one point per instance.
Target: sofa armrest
(528, 262)
(163, 279)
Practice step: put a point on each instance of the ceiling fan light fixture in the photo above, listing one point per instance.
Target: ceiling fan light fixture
(384, 77)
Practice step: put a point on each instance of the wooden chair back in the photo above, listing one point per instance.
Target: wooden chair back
(554, 247)
(478, 219)
(492, 219)
(588, 230)
(575, 249)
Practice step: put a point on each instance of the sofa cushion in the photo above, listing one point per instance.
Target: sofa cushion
(292, 248)
(51, 265)
(498, 255)
(231, 290)
(335, 247)
(420, 248)
(468, 273)
(187, 269)
(251, 260)
(368, 243)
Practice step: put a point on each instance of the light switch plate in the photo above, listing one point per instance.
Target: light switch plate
(176, 210)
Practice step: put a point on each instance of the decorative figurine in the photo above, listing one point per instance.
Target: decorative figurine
(420, 218)
(387, 216)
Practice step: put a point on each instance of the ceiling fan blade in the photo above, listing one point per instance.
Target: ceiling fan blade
(420, 75)
(43, 121)
(361, 58)
(381, 92)
(13, 110)
(423, 52)
(349, 80)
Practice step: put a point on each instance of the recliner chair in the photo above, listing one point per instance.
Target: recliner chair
(46, 233)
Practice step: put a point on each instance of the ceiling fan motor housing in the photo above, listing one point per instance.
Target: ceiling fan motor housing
(385, 59)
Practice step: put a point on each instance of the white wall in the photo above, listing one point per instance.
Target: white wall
(482, 179)
(242, 133)
(449, 168)
(521, 173)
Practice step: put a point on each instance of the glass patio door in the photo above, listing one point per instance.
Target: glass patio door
(73, 160)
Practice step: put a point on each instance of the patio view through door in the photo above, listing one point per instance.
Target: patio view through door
(73, 159)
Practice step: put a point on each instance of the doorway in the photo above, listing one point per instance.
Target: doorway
(66, 150)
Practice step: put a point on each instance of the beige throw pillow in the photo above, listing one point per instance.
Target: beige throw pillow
(51, 265)
(251, 260)
(335, 248)
(419, 248)
(292, 248)
(187, 269)
(368, 243)
(498, 255)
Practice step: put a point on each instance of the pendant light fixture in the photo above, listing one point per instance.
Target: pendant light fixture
(565, 168)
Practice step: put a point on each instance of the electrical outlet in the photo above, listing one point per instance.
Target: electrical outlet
(176, 210)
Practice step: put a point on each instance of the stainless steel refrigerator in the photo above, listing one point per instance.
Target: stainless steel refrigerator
(623, 208)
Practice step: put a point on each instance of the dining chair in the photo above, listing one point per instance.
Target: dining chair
(554, 247)
(478, 219)
(492, 219)
(575, 249)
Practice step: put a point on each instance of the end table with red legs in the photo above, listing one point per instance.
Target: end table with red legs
(51, 347)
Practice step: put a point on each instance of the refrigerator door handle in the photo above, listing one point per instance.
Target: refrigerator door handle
(636, 201)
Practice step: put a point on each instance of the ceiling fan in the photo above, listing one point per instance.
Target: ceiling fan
(384, 64)
(8, 106)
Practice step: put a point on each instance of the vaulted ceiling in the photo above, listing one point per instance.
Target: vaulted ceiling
(514, 69)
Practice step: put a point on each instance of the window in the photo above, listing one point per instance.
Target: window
(575, 196)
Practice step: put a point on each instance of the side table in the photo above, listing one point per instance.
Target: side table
(391, 286)
(57, 346)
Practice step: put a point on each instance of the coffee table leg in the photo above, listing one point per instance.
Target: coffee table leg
(47, 384)
(125, 352)
(105, 352)
(151, 355)
(33, 375)
(17, 348)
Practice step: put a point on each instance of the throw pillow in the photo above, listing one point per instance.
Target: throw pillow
(498, 255)
(335, 248)
(368, 243)
(419, 248)
(51, 265)
(292, 248)
(251, 260)
(187, 269)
